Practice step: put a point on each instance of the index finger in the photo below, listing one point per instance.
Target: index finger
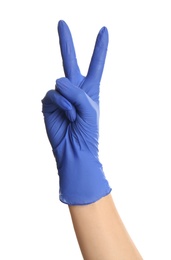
(99, 55)
(71, 69)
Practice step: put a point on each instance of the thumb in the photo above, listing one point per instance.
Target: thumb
(83, 104)
(54, 100)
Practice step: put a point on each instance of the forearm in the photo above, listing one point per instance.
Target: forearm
(100, 232)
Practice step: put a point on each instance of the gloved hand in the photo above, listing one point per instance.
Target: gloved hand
(71, 114)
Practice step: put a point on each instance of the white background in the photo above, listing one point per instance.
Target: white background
(135, 122)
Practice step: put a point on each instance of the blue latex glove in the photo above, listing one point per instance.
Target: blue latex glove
(71, 114)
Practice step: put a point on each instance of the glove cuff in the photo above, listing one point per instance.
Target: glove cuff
(82, 181)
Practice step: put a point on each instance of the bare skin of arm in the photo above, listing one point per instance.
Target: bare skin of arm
(101, 233)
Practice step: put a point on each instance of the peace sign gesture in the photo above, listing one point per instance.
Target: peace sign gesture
(71, 114)
(90, 83)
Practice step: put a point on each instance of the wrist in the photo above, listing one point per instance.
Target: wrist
(82, 179)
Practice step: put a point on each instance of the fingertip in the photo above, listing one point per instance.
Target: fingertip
(104, 29)
(61, 23)
(103, 35)
(62, 26)
(71, 114)
(62, 82)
